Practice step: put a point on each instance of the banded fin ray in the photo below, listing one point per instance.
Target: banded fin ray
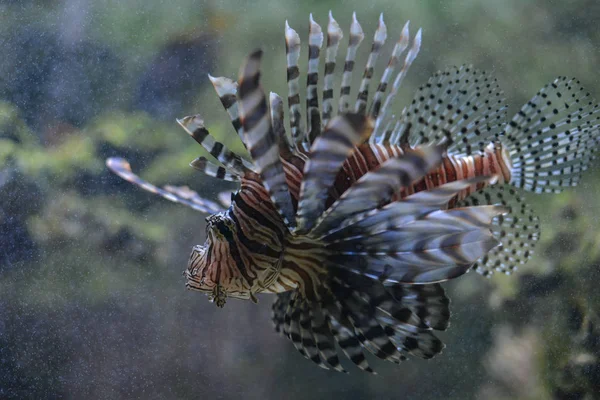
(277, 122)
(334, 35)
(376, 188)
(411, 55)
(401, 212)
(216, 171)
(518, 231)
(399, 48)
(194, 126)
(292, 54)
(313, 115)
(554, 137)
(350, 345)
(260, 138)
(462, 105)
(226, 90)
(440, 246)
(355, 39)
(400, 312)
(327, 155)
(363, 92)
(181, 195)
(359, 314)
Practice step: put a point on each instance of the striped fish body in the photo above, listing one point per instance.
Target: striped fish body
(251, 251)
(493, 162)
(354, 216)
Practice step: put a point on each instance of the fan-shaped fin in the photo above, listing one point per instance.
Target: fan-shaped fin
(463, 104)
(358, 314)
(439, 246)
(397, 213)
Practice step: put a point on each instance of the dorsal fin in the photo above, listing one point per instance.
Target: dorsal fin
(462, 105)
(363, 92)
(334, 35)
(399, 48)
(292, 54)
(326, 157)
(355, 39)
(261, 140)
(216, 171)
(226, 90)
(410, 57)
(313, 115)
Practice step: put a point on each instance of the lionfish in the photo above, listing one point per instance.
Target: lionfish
(355, 218)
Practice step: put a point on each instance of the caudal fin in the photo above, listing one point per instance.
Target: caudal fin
(553, 138)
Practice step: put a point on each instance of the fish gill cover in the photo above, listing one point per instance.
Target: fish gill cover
(354, 215)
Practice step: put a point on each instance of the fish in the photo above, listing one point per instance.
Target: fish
(354, 214)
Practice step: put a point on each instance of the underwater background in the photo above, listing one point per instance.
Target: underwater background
(92, 301)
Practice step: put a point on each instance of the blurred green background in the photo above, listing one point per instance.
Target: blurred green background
(92, 301)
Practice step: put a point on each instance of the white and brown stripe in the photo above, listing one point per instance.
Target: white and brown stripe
(410, 57)
(334, 35)
(363, 91)
(355, 39)
(292, 52)
(216, 171)
(313, 114)
(227, 91)
(399, 48)
(260, 138)
(194, 126)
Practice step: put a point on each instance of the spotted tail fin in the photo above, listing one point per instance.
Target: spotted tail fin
(463, 106)
(554, 137)
(438, 246)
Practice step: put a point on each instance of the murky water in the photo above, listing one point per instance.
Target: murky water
(93, 303)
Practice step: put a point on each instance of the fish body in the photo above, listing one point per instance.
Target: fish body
(354, 220)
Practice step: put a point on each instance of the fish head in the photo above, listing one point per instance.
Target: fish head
(223, 267)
